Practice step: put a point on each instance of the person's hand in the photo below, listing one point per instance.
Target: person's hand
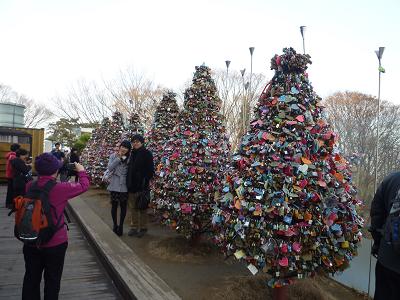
(375, 250)
(79, 167)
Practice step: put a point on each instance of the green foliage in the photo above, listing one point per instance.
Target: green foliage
(80, 144)
(64, 131)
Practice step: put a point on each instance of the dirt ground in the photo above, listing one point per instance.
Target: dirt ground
(203, 273)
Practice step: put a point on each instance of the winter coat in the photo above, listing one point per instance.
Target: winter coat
(9, 171)
(120, 170)
(58, 197)
(380, 208)
(20, 171)
(140, 170)
(74, 158)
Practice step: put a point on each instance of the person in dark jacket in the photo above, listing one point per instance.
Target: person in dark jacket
(140, 172)
(387, 270)
(60, 155)
(21, 171)
(9, 174)
(74, 158)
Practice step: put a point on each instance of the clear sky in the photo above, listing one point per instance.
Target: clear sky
(46, 45)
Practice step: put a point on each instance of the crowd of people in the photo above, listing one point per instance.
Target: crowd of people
(130, 170)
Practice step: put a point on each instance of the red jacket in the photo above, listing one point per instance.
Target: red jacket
(9, 171)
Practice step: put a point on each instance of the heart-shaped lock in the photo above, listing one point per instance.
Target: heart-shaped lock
(303, 169)
(283, 262)
(284, 248)
(296, 246)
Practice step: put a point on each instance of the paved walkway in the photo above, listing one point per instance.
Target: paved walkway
(83, 276)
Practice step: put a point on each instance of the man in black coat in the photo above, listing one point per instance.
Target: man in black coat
(140, 172)
(387, 270)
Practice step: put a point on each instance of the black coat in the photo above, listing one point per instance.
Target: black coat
(140, 170)
(74, 158)
(380, 208)
(20, 170)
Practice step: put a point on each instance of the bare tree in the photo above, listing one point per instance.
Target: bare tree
(85, 101)
(36, 114)
(353, 116)
(7, 94)
(132, 92)
(238, 100)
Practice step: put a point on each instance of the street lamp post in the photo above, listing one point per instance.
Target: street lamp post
(246, 102)
(251, 49)
(379, 54)
(251, 63)
(243, 102)
(227, 63)
(302, 31)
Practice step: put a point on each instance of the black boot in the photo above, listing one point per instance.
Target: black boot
(120, 230)
(115, 229)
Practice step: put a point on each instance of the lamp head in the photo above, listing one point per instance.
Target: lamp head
(302, 30)
(227, 62)
(242, 71)
(251, 50)
(379, 53)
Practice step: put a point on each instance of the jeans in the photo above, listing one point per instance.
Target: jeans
(51, 261)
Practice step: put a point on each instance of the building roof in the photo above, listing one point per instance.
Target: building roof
(10, 131)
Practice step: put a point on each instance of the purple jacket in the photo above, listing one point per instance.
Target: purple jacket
(59, 196)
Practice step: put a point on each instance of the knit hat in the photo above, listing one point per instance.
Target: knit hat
(138, 137)
(127, 144)
(47, 164)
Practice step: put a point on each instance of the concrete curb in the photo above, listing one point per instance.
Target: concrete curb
(133, 278)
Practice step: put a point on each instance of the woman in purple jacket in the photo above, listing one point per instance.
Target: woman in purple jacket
(50, 256)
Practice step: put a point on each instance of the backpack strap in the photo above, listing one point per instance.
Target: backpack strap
(49, 186)
(33, 189)
(67, 217)
(44, 197)
(395, 204)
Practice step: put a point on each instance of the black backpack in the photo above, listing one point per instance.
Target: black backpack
(392, 225)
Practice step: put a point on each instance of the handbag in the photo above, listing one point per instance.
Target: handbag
(143, 200)
(107, 176)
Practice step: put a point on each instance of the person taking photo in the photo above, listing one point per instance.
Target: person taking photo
(48, 258)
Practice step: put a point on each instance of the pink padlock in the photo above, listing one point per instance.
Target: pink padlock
(284, 262)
